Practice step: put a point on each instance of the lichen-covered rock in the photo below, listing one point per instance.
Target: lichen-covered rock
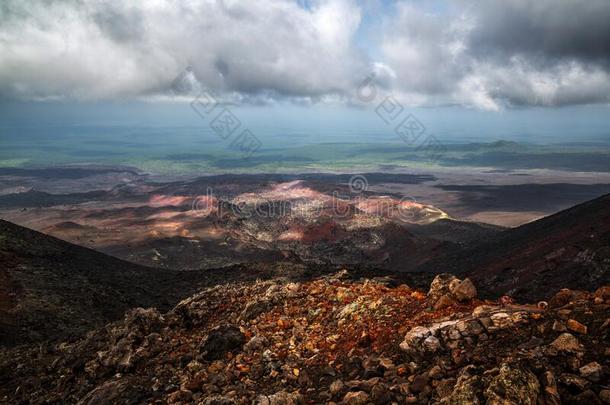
(414, 338)
(566, 342)
(218, 400)
(445, 289)
(471, 327)
(281, 398)
(465, 290)
(441, 286)
(466, 390)
(347, 311)
(356, 398)
(444, 301)
(512, 384)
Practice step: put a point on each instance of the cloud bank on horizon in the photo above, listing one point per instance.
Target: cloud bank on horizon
(487, 55)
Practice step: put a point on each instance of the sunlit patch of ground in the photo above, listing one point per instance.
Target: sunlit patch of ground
(168, 200)
(505, 218)
(289, 215)
(401, 210)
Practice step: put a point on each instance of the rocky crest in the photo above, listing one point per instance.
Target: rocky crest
(330, 340)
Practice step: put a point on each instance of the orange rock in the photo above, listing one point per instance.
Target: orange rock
(418, 295)
(243, 368)
(576, 326)
(603, 292)
(283, 323)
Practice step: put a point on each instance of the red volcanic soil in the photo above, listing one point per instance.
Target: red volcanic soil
(191, 229)
(168, 200)
(328, 231)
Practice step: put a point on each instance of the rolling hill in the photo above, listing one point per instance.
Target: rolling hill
(51, 289)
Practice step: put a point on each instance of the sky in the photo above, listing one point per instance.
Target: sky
(482, 61)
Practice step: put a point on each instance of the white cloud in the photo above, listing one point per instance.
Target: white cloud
(99, 49)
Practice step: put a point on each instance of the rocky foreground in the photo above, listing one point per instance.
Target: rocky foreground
(330, 340)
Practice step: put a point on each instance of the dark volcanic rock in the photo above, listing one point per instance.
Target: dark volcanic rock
(122, 391)
(306, 346)
(221, 339)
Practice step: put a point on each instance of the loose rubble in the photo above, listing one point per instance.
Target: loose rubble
(333, 341)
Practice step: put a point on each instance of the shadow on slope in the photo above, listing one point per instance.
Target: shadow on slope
(570, 249)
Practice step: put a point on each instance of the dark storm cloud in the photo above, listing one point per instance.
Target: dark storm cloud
(493, 54)
(544, 29)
